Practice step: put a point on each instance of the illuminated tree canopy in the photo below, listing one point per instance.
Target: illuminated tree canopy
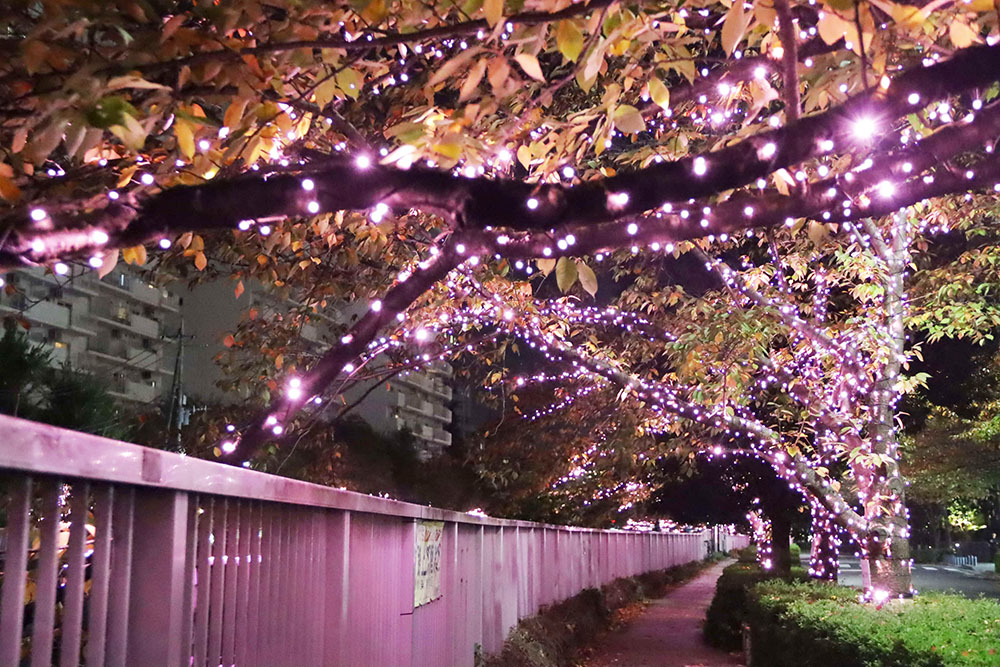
(439, 161)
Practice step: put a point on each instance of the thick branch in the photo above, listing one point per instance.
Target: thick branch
(482, 202)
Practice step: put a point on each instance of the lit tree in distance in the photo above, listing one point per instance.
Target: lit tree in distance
(453, 152)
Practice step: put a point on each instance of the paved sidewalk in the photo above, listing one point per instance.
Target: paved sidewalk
(668, 632)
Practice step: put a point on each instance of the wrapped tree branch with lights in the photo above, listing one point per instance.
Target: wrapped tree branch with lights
(383, 151)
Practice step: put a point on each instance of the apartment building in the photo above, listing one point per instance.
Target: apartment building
(120, 328)
(419, 400)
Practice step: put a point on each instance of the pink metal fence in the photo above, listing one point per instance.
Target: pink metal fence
(117, 554)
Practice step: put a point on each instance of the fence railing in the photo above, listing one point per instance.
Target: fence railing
(118, 554)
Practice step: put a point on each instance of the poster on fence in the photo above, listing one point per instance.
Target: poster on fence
(427, 562)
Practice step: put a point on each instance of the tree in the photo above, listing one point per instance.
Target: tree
(31, 388)
(502, 135)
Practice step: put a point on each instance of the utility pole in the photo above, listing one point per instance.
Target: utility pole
(177, 415)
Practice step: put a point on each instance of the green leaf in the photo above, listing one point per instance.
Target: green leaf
(569, 39)
(566, 273)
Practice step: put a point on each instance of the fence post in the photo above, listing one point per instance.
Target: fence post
(156, 608)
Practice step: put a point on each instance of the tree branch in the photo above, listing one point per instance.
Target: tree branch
(483, 203)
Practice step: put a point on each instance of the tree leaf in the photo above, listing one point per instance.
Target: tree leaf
(108, 262)
(566, 273)
(185, 137)
(239, 289)
(529, 64)
(962, 35)
(200, 261)
(546, 265)
(472, 80)
(588, 280)
(569, 39)
(493, 10)
(9, 190)
(659, 93)
(629, 120)
(734, 26)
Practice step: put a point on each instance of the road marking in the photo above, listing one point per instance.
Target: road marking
(928, 567)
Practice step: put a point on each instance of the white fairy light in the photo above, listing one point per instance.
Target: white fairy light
(700, 166)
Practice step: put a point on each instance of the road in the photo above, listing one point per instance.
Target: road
(931, 578)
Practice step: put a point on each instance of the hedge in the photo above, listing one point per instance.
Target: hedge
(821, 625)
(728, 611)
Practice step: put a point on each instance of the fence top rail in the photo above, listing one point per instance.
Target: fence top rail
(31, 447)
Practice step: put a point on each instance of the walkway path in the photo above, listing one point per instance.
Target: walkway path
(668, 632)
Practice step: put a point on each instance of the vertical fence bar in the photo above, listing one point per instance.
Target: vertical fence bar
(231, 565)
(97, 616)
(72, 620)
(46, 577)
(202, 571)
(121, 575)
(15, 567)
(253, 594)
(190, 565)
(157, 591)
(217, 585)
(243, 583)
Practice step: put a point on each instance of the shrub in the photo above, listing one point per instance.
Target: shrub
(821, 625)
(747, 554)
(728, 611)
(555, 635)
(996, 563)
(796, 552)
(926, 554)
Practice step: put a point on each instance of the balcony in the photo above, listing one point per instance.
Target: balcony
(121, 316)
(139, 392)
(42, 312)
(145, 326)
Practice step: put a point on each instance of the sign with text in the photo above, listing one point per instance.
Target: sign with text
(427, 562)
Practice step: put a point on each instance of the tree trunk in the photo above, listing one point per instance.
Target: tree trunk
(781, 554)
(885, 566)
(824, 555)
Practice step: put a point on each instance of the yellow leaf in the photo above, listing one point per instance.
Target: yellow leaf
(659, 93)
(126, 176)
(962, 35)
(279, 361)
(629, 120)
(185, 137)
(524, 155)
(910, 17)
(529, 64)
(9, 190)
(200, 261)
(546, 265)
(587, 278)
(569, 39)
(472, 80)
(832, 28)
(493, 10)
(734, 26)
(234, 113)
